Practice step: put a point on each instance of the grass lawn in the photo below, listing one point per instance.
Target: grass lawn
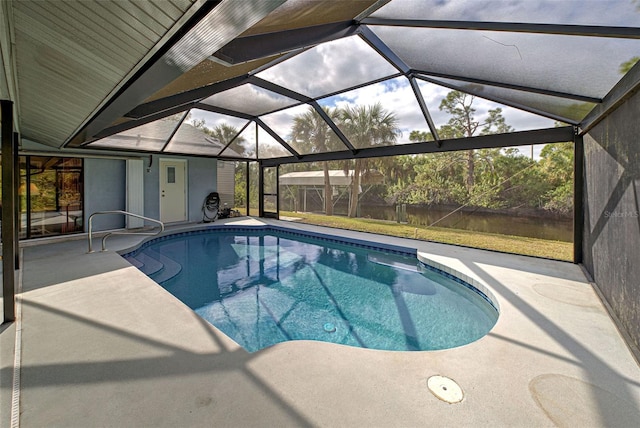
(506, 243)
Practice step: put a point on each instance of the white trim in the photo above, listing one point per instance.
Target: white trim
(135, 192)
(177, 26)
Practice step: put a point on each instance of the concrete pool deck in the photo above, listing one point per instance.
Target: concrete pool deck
(103, 345)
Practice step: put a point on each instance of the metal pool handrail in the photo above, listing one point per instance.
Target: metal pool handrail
(104, 238)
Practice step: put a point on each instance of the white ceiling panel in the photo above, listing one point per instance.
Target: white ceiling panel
(71, 54)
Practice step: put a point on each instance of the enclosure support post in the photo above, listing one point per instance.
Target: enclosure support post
(278, 191)
(578, 195)
(27, 195)
(9, 248)
(260, 189)
(16, 184)
(248, 184)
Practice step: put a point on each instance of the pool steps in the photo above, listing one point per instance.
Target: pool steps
(149, 265)
(171, 268)
(155, 265)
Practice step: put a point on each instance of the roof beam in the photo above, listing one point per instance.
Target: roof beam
(514, 27)
(160, 115)
(323, 114)
(257, 46)
(133, 124)
(379, 46)
(277, 138)
(185, 98)
(625, 88)
(136, 154)
(264, 84)
(510, 86)
(512, 139)
(234, 138)
(500, 100)
(175, 131)
(224, 111)
(425, 110)
(361, 85)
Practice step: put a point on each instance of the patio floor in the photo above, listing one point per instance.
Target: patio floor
(103, 345)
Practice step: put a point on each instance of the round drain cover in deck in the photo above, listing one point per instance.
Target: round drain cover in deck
(445, 389)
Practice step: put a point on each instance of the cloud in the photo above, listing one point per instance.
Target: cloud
(583, 12)
(211, 120)
(397, 97)
(542, 61)
(350, 62)
(330, 67)
(282, 122)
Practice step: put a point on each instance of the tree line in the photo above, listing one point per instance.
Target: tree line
(487, 178)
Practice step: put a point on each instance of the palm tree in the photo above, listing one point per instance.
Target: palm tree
(225, 133)
(309, 129)
(366, 126)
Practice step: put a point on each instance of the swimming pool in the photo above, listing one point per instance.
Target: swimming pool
(262, 286)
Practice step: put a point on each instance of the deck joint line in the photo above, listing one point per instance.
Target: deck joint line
(15, 393)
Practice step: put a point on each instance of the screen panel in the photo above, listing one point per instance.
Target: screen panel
(330, 67)
(305, 130)
(250, 99)
(542, 61)
(584, 12)
(381, 114)
(563, 107)
(149, 137)
(443, 101)
(244, 146)
(269, 147)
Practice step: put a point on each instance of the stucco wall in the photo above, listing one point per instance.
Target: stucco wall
(104, 190)
(611, 251)
(201, 180)
(202, 173)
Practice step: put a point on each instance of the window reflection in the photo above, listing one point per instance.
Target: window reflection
(51, 196)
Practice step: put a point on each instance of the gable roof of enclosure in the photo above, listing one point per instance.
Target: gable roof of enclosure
(256, 65)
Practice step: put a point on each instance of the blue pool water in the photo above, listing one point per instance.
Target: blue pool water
(262, 287)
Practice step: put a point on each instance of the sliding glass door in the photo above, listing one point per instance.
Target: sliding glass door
(51, 196)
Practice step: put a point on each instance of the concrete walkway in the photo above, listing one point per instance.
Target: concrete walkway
(103, 345)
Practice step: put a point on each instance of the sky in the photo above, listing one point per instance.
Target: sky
(517, 58)
(583, 12)
(325, 69)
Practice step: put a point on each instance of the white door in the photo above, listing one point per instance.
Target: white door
(173, 190)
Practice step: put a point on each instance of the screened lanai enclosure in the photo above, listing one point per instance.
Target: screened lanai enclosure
(313, 82)
(543, 62)
(288, 86)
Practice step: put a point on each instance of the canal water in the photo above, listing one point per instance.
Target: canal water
(552, 228)
(537, 225)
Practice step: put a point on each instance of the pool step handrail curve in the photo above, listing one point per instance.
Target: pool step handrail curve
(126, 213)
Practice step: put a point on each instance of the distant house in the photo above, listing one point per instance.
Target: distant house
(309, 185)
